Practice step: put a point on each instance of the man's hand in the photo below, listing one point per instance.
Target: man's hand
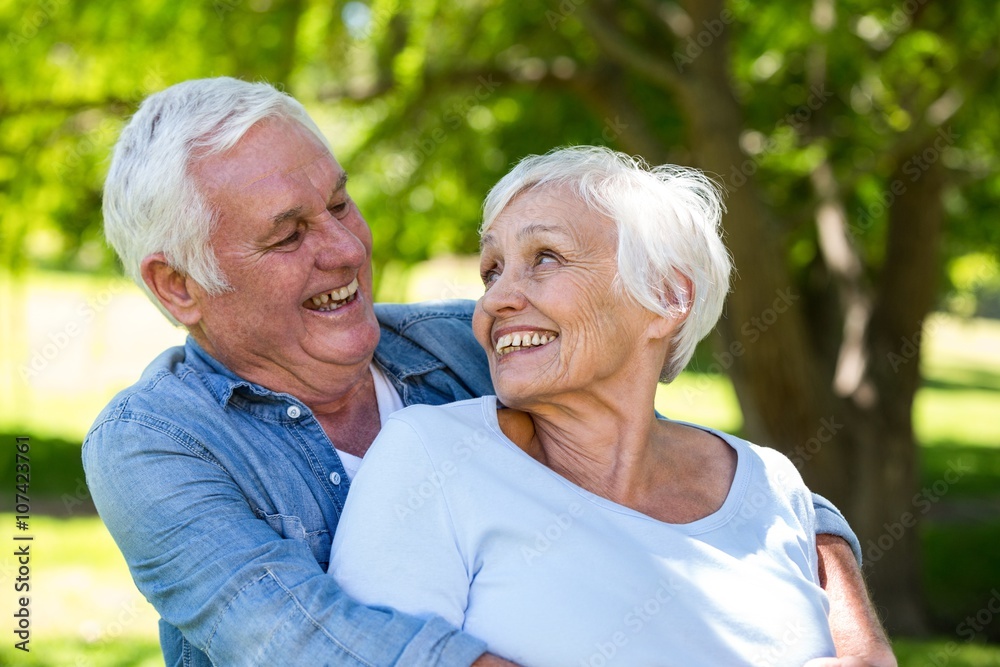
(857, 632)
(490, 660)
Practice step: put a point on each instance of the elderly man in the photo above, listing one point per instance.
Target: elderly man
(222, 472)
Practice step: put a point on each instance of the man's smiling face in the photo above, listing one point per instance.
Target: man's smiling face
(296, 252)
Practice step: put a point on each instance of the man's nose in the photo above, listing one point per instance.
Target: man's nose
(339, 246)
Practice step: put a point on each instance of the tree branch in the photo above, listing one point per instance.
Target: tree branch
(844, 263)
(622, 50)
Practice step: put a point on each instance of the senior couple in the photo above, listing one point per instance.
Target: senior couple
(542, 513)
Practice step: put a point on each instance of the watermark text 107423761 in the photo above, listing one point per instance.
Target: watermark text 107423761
(22, 543)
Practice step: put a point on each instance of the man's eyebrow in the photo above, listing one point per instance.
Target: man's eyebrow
(286, 215)
(341, 184)
(296, 211)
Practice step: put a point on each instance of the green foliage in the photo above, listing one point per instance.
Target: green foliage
(430, 102)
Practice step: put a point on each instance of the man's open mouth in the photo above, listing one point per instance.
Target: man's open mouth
(333, 299)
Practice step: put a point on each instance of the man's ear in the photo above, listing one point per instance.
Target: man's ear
(172, 288)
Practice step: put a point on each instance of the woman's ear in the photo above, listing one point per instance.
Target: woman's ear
(677, 299)
(172, 288)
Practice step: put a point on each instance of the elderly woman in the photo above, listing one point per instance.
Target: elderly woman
(562, 520)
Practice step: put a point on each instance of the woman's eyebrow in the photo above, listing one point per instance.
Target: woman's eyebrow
(526, 232)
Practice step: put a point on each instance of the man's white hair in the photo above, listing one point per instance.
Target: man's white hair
(151, 200)
(669, 231)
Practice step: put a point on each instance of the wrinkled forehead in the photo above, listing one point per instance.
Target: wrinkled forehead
(548, 210)
(536, 197)
(272, 151)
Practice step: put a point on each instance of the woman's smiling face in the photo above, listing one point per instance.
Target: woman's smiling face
(553, 319)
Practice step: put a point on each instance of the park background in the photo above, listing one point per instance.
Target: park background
(858, 143)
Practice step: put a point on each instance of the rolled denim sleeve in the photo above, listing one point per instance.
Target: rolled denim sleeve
(234, 588)
(829, 521)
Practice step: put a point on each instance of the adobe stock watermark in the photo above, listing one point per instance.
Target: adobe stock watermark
(758, 498)
(633, 623)
(751, 331)
(57, 341)
(804, 453)
(428, 142)
(32, 21)
(225, 7)
(922, 502)
(913, 168)
(775, 654)
(909, 347)
(101, 137)
(552, 533)
(127, 615)
(79, 498)
(418, 495)
(613, 128)
(968, 629)
(796, 119)
(362, 22)
(901, 16)
(565, 9)
(703, 39)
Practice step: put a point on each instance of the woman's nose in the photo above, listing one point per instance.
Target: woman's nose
(507, 293)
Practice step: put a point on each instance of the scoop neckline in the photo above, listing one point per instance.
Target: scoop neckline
(716, 519)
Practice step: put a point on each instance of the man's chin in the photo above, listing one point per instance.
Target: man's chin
(348, 348)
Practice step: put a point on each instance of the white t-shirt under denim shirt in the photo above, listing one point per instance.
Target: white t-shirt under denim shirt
(389, 401)
(448, 517)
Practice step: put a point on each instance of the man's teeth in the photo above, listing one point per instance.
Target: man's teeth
(520, 341)
(334, 299)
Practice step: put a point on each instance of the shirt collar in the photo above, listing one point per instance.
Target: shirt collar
(221, 381)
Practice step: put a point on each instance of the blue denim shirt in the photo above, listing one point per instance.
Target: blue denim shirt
(224, 496)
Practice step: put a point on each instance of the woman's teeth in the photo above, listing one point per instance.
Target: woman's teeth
(521, 341)
(335, 299)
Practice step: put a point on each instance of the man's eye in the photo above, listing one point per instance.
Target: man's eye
(339, 209)
(290, 239)
(546, 257)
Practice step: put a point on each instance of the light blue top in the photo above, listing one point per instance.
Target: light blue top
(448, 517)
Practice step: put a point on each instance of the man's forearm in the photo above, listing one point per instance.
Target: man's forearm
(854, 623)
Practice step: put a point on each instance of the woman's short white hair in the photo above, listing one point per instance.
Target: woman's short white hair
(151, 200)
(669, 231)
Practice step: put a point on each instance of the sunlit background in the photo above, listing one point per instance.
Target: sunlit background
(858, 142)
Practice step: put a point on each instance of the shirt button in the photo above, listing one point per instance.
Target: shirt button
(293, 411)
(335, 478)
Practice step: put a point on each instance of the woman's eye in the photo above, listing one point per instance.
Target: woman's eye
(546, 258)
(489, 277)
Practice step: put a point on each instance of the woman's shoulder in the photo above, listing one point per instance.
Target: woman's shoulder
(421, 416)
(438, 429)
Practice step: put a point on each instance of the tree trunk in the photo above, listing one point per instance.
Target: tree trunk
(859, 453)
(783, 391)
(887, 504)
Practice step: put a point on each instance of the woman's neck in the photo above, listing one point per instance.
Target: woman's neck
(606, 443)
(669, 471)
